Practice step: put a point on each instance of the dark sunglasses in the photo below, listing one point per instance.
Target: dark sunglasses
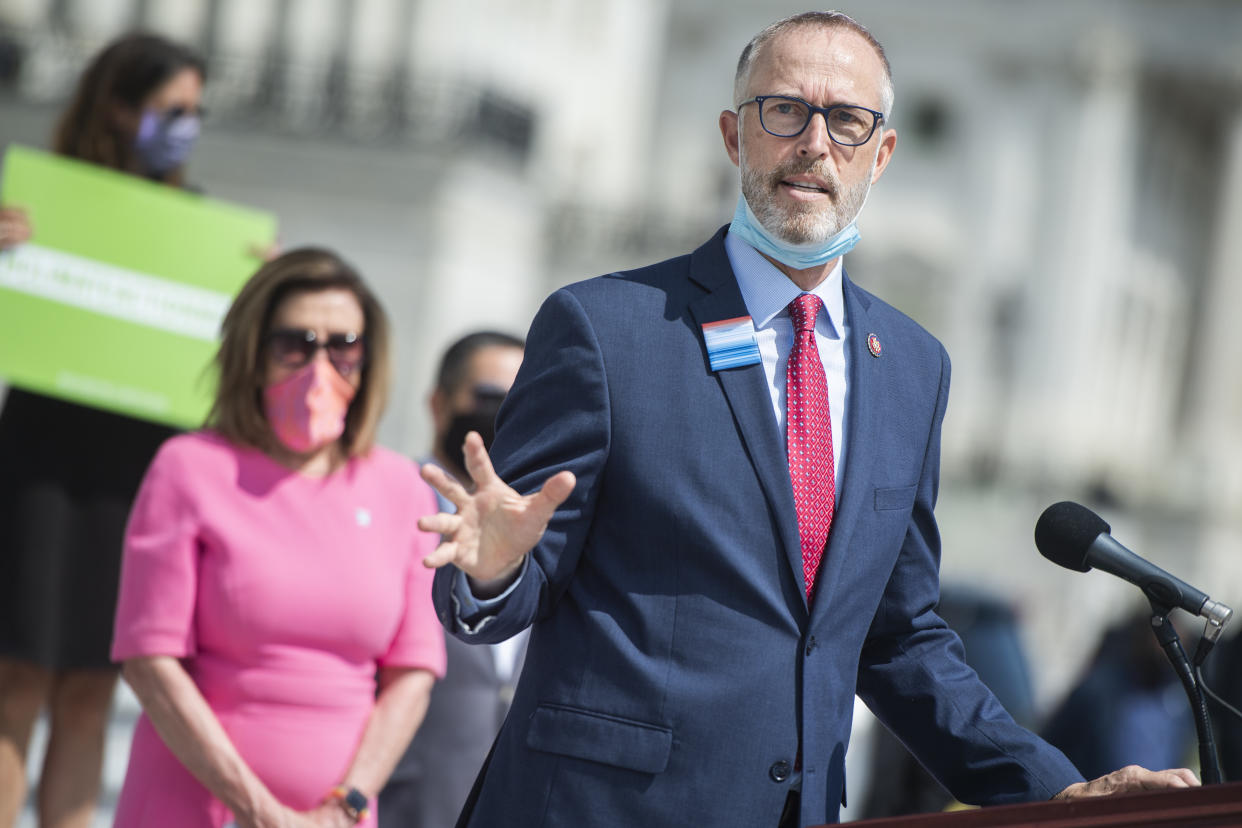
(294, 347)
(173, 113)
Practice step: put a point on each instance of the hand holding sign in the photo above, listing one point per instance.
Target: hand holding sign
(14, 227)
(115, 299)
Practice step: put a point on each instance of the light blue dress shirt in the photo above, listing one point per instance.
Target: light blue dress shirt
(767, 293)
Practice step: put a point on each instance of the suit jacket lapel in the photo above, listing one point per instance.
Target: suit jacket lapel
(746, 389)
(855, 495)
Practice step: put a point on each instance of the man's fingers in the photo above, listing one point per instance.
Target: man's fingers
(1134, 777)
(443, 554)
(553, 494)
(1180, 778)
(443, 482)
(1131, 779)
(442, 523)
(478, 464)
(541, 505)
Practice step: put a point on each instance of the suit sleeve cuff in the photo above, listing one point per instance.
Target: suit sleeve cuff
(472, 614)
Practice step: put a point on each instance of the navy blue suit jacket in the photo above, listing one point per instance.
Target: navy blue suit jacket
(675, 671)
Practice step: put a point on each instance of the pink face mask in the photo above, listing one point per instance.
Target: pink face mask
(307, 410)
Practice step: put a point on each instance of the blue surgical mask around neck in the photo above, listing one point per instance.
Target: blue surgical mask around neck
(797, 256)
(162, 143)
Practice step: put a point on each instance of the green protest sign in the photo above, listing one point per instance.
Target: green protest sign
(116, 300)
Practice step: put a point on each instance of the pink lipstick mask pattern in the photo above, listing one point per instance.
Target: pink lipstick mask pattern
(307, 410)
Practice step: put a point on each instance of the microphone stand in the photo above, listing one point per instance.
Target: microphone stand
(1209, 762)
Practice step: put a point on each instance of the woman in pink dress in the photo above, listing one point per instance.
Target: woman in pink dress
(273, 569)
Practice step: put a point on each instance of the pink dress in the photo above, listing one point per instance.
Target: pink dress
(281, 594)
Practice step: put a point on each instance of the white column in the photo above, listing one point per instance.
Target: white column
(484, 268)
(373, 50)
(1002, 190)
(311, 44)
(1210, 468)
(243, 40)
(25, 14)
(101, 19)
(1070, 348)
(182, 20)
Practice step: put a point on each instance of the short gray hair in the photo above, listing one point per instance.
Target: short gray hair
(826, 20)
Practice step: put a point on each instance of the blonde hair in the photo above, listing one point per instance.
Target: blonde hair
(237, 413)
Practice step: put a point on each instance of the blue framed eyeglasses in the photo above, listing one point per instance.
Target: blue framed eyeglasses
(786, 117)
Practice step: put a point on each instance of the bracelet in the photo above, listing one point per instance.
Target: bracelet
(352, 801)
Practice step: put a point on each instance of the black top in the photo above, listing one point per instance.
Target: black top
(68, 474)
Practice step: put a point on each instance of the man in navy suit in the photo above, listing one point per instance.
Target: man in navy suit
(667, 468)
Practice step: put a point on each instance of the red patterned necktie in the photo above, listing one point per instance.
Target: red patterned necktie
(809, 437)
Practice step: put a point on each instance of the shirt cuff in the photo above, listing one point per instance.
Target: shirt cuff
(473, 614)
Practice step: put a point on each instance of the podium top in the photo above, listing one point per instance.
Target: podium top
(1211, 805)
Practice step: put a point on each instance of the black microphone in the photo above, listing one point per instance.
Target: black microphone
(1077, 538)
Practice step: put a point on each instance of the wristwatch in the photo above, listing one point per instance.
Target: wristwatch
(352, 801)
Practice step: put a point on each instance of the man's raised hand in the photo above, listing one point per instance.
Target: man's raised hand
(495, 527)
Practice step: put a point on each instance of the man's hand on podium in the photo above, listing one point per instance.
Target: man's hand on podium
(1130, 779)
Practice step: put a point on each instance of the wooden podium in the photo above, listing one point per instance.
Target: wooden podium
(1217, 806)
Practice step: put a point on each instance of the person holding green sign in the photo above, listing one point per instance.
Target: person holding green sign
(272, 569)
(71, 472)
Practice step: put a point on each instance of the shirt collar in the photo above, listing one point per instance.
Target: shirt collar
(767, 291)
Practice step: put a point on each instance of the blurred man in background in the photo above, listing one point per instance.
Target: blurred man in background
(1128, 707)
(467, 707)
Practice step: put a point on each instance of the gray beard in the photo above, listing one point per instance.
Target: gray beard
(809, 224)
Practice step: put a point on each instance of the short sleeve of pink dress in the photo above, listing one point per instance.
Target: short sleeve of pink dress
(159, 578)
(282, 595)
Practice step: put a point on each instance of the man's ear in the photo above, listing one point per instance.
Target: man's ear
(729, 124)
(888, 143)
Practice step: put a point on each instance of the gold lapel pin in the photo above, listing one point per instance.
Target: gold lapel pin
(873, 345)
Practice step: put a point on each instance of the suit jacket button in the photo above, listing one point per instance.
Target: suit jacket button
(779, 771)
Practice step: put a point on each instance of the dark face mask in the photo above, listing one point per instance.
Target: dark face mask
(481, 418)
